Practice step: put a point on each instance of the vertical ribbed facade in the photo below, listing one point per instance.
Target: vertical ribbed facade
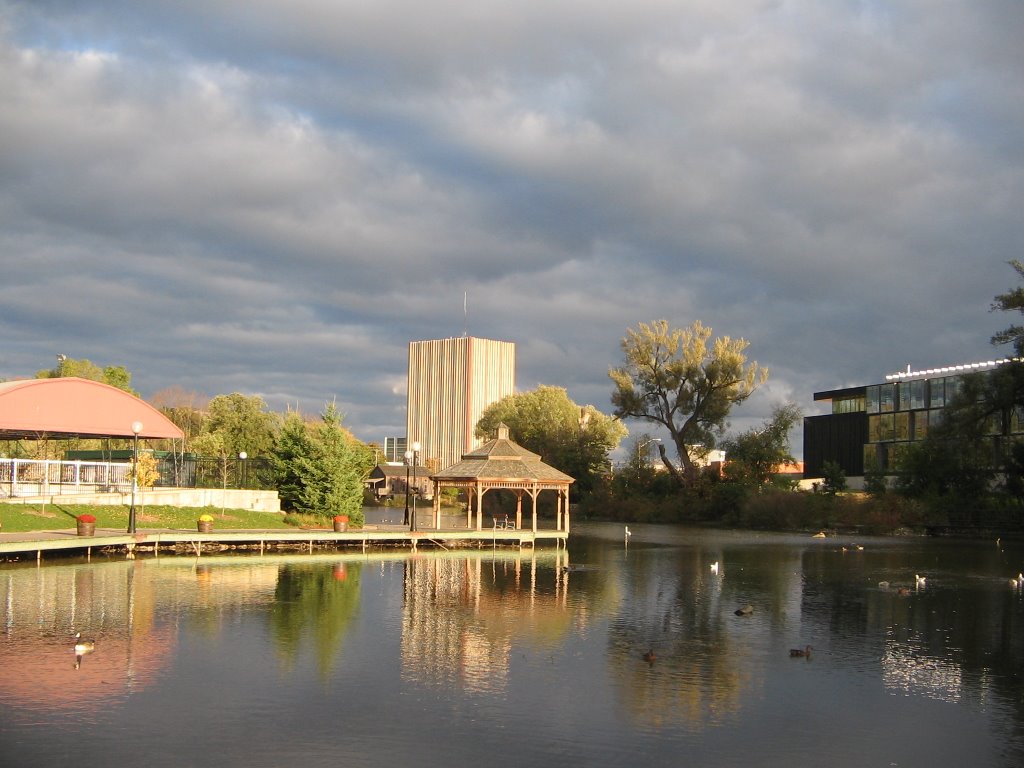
(451, 382)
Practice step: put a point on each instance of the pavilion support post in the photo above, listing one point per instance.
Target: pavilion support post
(519, 510)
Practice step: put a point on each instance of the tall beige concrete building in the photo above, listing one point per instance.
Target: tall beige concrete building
(451, 382)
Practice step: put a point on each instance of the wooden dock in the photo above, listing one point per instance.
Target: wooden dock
(36, 543)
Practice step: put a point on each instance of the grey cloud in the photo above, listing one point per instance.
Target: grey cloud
(276, 197)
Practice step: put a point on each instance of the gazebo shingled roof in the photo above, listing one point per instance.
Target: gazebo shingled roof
(502, 464)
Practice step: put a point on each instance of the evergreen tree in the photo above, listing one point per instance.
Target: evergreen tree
(1012, 302)
(321, 469)
(293, 445)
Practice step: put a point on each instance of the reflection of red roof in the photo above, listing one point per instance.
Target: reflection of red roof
(46, 678)
(68, 407)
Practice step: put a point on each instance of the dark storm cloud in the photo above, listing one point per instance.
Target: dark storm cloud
(275, 198)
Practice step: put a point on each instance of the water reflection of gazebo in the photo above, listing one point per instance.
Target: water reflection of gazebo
(501, 464)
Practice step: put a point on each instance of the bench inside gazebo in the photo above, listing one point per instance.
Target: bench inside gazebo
(501, 464)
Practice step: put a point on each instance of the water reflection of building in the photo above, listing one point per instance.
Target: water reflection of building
(463, 615)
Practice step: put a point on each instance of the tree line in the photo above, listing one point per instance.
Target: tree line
(677, 378)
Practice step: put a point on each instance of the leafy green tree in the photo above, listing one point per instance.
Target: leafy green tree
(118, 376)
(574, 439)
(243, 424)
(753, 457)
(673, 378)
(114, 375)
(833, 478)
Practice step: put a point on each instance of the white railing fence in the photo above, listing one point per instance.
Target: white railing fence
(34, 477)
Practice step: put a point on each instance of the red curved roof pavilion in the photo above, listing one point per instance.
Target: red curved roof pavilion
(73, 407)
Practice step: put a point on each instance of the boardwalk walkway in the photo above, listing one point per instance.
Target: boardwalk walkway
(37, 543)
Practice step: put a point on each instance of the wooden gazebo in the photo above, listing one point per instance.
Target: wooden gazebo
(502, 464)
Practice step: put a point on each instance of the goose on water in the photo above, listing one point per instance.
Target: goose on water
(82, 647)
(805, 652)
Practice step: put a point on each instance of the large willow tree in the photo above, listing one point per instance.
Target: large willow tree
(672, 377)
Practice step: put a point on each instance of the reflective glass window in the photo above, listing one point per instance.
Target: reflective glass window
(917, 394)
(874, 428)
(871, 396)
(953, 385)
(1017, 420)
(848, 404)
(886, 427)
(870, 457)
(902, 425)
(903, 392)
(920, 425)
(886, 397)
(936, 393)
(897, 452)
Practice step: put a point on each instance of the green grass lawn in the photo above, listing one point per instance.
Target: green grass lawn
(17, 518)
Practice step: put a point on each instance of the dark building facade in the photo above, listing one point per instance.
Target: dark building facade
(871, 426)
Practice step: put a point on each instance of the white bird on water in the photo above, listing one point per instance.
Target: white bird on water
(919, 580)
(628, 534)
(714, 567)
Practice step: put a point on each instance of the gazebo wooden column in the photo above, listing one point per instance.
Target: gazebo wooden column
(479, 506)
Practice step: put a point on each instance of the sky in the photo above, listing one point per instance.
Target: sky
(275, 198)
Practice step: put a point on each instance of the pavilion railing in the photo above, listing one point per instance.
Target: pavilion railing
(38, 477)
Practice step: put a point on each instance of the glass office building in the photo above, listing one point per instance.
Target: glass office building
(871, 426)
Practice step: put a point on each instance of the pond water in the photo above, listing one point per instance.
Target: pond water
(508, 658)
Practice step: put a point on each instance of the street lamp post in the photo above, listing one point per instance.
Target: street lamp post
(136, 429)
(644, 444)
(412, 456)
(408, 455)
(242, 455)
